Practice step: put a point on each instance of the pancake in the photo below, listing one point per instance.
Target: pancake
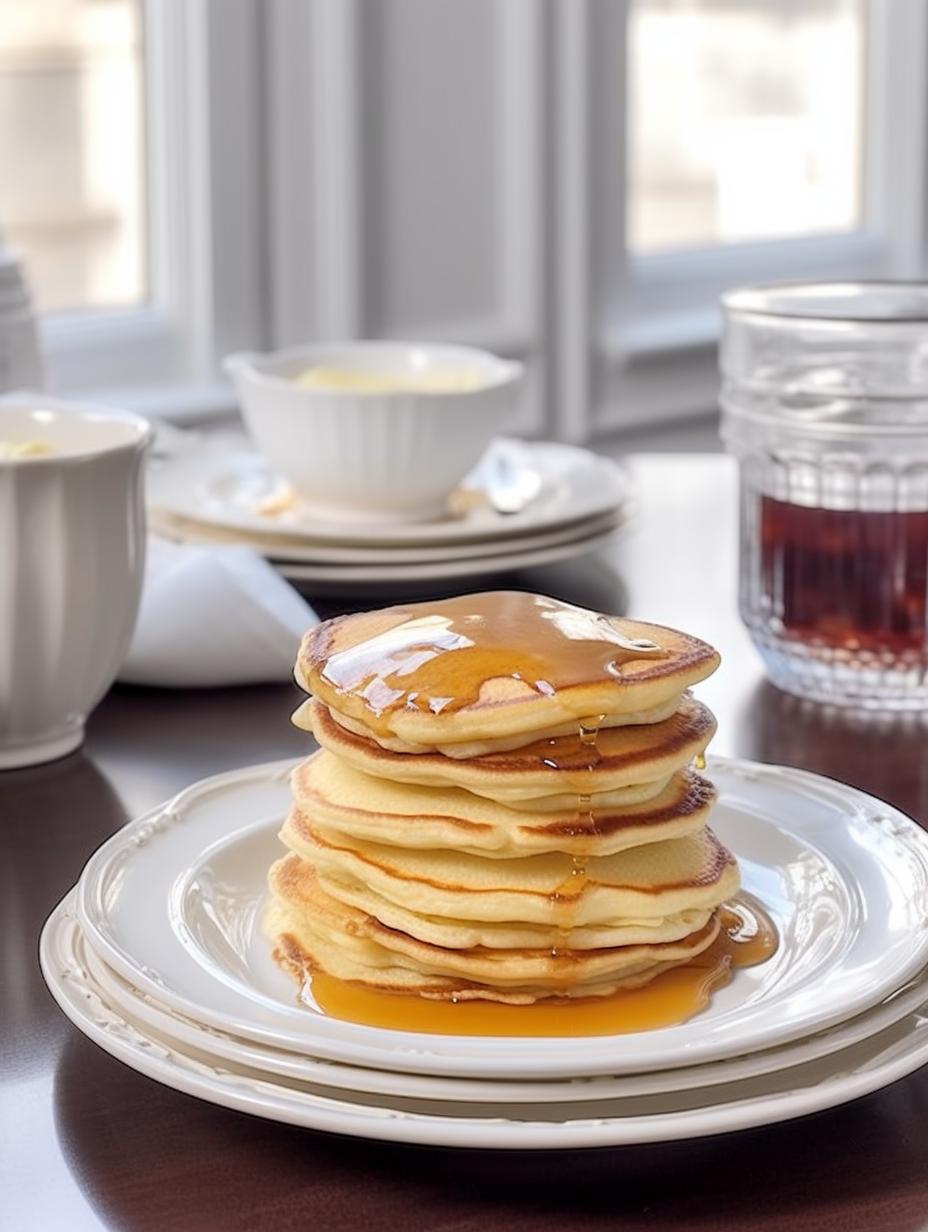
(302, 718)
(314, 932)
(503, 807)
(493, 667)
(646, 883)
(334, 794)
(546, 772)
(466, 934)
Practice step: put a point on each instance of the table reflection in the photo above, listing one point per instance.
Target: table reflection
(883, 755)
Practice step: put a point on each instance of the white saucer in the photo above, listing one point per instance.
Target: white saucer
(194, 1037)
(173, 903)
(866, 1067)
(289, 550)
(449, 568)
(225, 489)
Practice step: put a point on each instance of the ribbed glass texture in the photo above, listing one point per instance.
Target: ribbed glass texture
(825, 404)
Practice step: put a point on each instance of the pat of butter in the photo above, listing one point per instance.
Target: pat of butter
(24, 449)
(446, 381)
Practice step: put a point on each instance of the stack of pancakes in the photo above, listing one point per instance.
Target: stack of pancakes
(504, 806)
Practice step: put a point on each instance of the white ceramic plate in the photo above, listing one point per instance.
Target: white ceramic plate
(283, 550)
(225, 489)
(190, 1036)
(843, 1076)
(173, 903)
(485, 566)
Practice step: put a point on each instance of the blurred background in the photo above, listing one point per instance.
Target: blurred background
(570, 182)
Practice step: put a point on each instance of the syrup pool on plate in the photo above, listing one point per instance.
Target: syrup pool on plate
(747, 937)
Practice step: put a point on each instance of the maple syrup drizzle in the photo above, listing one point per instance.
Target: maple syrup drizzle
(748, 937)
(438, 656)
(568, 896)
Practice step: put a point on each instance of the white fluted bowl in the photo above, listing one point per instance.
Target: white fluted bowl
(356, 456)
(72, 554)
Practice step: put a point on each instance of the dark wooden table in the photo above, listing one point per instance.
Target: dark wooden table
(86, 1142)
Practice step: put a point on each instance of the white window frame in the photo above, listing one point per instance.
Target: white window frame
(252, 247)
(205, 257)
(637, 335)
(319, 261)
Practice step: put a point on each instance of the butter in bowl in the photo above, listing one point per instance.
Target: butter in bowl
(367, 431)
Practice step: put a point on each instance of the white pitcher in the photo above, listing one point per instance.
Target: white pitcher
(72, 548)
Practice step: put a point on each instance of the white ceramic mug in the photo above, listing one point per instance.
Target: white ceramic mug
(72, 555)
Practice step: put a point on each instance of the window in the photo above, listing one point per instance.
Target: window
(595, 175)
(745, 120)
(72, 191)
(571, 183)
(134, 128)
(728, 142)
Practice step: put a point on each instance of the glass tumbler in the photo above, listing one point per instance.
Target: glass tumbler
(825, 405)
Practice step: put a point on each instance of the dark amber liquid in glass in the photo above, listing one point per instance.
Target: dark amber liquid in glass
(852, 579)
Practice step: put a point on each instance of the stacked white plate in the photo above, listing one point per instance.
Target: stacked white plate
(158, 955)
(563, 502)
